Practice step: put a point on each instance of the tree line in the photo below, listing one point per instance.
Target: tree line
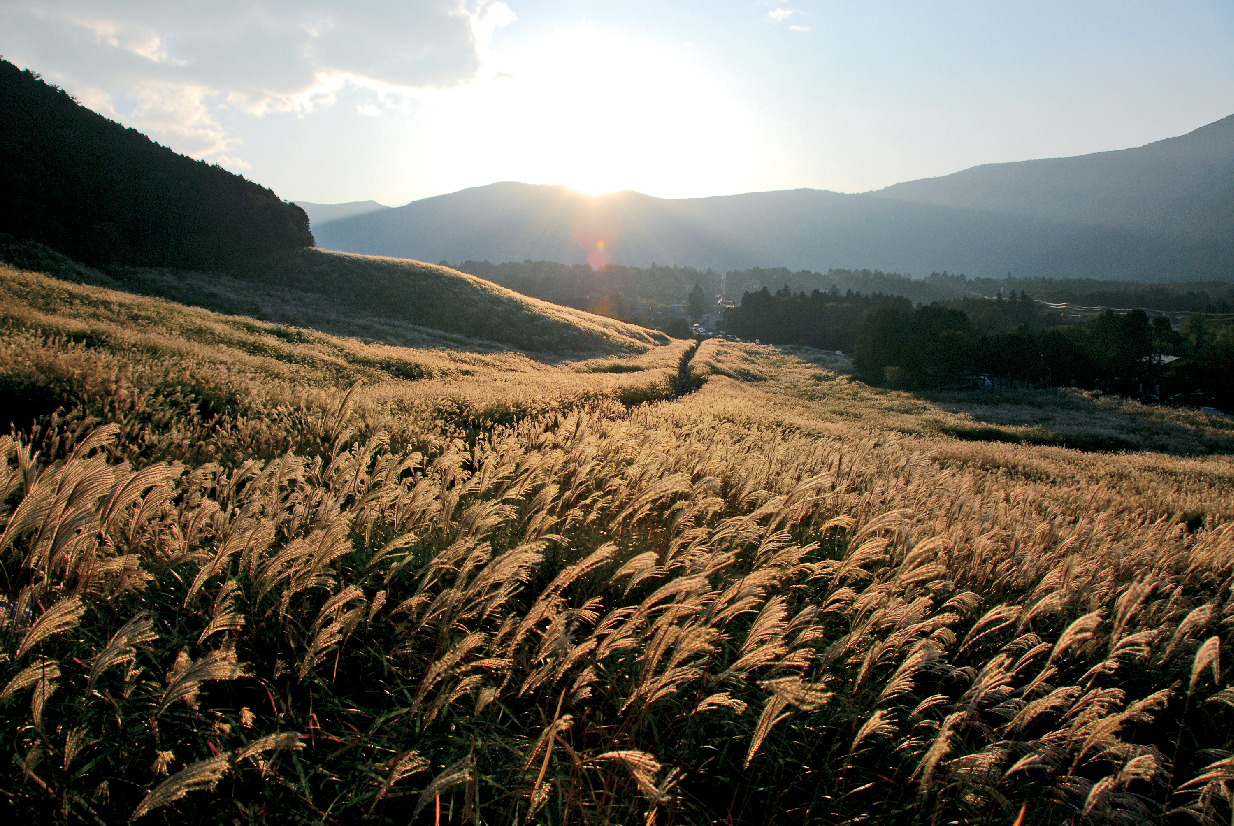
(650, 295)
(106, 195)
(1017, 341)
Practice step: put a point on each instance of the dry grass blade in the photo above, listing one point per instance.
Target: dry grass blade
(131, 491)
(74, 742)
(323, 641)
(41, 671)
(1060, 697)
(1208, 656)
(938, 750)
(1225, 695)
(996, 618)
(1098, 794)
(547, 739)
(279, 741)
(405, 765)
(773, 712)
(101, 436)
(878, 725)
(720, 700)
(1220, 771)
(1197, 619)
(768, 624)
(642, 766)
(122, 648)
(217, 665)
(448, 663)
(225, 617)
(61, 617)
(335, 603)
(201, 775)
(449, 777)
(1077, 633)
(902, 681)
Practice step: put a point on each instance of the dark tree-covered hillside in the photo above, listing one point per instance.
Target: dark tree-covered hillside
(107, 195)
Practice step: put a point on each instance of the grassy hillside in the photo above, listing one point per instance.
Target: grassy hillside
(395, 301)
(476, 589)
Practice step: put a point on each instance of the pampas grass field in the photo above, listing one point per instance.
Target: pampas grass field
(253, 572)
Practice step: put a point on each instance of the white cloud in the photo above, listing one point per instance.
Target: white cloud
(183, 115)
(796, 27)
(234, 164)
(779, 15)
(490, 17)
(172, 69)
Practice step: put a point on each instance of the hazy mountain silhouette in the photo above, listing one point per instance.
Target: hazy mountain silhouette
(1160, 212)
(324, 213)
(1178, 186)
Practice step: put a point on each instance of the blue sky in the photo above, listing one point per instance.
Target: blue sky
(395, 101)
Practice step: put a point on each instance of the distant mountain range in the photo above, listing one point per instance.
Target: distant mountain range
(1160, 212)
(324, 213)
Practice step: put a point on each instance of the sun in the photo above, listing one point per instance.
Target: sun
(600, 112)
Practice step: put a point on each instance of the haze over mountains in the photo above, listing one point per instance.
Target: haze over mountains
(1160, 212)
(324, 213)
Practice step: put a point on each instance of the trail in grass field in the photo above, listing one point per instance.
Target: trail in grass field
(683, 382)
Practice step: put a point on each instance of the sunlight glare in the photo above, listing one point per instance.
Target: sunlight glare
(599, 112)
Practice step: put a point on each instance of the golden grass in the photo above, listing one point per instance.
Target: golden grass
(492, 592)
(393, 300)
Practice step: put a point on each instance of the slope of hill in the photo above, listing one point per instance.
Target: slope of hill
(324, 213)
(1162, 212)
(1179, 186)
(257, 573)
(394, 301)
(106, 195)
(216, 358)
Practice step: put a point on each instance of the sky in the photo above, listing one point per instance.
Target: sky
(397, 100)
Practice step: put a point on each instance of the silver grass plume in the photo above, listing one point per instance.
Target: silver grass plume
(59, 618)
(122, 647)
(204, 774)
(218, 665)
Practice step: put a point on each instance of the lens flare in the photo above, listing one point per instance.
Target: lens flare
(595, 228)
(598, 257)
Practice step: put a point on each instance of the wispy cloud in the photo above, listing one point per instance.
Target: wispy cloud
(797, 27)
(174, 69)
(779, 14)
(183, 114)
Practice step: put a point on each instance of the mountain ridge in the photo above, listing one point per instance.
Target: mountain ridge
(1147, 187)
(1160, 212)
(319, 214)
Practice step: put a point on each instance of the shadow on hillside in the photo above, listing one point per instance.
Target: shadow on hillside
(1059, 417)
(392, 301)
(1074, 419)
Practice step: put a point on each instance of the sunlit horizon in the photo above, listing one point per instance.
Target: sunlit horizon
(396, 102)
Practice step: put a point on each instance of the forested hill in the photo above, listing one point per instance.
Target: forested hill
(107, 195)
